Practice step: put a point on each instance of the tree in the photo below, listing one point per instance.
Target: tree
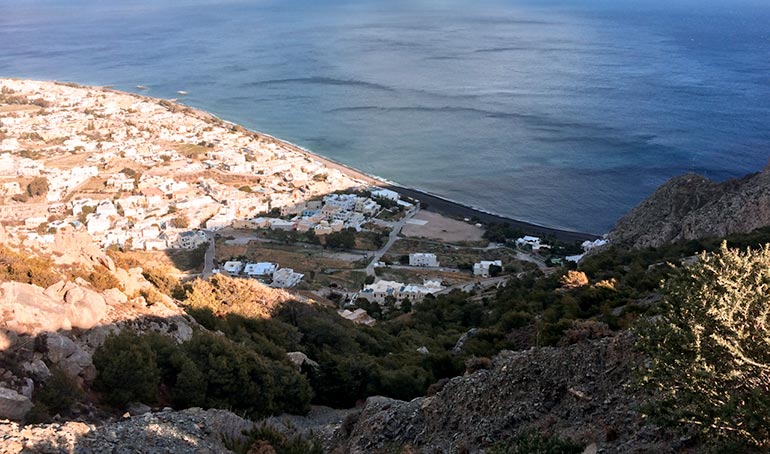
(344, 239)
(37, 187)
(709, 358)
(127, 369)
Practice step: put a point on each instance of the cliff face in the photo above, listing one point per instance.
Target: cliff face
(692, 207)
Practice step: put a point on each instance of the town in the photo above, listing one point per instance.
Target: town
(148, 175)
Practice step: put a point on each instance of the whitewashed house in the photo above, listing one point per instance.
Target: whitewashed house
(481, 269)
(423, 259)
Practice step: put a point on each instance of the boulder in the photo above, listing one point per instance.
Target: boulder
(84, 307)
(137, 408)
(27, 309)
(13, 405)
(300, 359)
(7, 340)
(59, 347)
(115, 297)
(37, 369)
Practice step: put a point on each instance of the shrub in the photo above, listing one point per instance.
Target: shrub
(265, 439)
(29, 270)
(103, 280)
(57, 395)
(475, 364)
(709, 359)
(127, 369)
(574, 279)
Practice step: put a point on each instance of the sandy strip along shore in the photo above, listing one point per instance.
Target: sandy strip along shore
(434, 203)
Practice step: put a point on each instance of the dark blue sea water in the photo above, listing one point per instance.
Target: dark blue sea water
(564, 113)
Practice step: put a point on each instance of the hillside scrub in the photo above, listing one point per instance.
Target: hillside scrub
(207, 371)
(710, 362)
(356, 361)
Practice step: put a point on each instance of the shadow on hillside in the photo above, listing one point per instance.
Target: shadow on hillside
(82, 421)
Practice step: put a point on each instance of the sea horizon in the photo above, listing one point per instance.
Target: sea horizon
(558, 114)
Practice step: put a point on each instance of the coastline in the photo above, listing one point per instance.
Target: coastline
(434, 203)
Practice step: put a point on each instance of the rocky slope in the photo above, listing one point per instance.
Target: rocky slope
(693, 207)
(578, 392)
(188, 431)
(61, 326)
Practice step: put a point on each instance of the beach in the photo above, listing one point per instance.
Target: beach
(429, 202)
(438, 204)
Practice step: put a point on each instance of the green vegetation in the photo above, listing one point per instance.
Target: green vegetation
(344, 239)
(208, 370)
(710, 362)
(266, 439)
(57, 396)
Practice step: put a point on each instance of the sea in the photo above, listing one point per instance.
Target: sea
(564, 113)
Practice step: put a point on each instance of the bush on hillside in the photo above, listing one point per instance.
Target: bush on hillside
(207, 371)
(127, 370)
(710, 361)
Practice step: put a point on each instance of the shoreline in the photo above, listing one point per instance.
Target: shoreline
(434, 203)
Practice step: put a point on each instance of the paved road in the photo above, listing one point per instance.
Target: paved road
(391, 239)
(208, 261)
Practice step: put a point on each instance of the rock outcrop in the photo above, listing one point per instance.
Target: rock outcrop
(61, 326)
(693, 207)
(188, 431)
(577, 392)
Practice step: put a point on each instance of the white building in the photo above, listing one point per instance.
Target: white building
(528, 241)
(233, 267)
(482, 268)
(385, 194)
(286, 278)
(260, 269)
(379, 291)
(421, 259)
(191, 239)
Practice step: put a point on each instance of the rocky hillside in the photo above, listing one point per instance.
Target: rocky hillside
(693, 207)
(577, 392)
(182, 432)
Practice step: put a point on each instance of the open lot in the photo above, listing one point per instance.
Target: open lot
(441, 228)
(320, 267)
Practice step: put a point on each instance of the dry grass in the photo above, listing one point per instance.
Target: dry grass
(302, 260)
(418, 276)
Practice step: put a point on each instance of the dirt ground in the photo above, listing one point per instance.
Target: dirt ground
(442, 228)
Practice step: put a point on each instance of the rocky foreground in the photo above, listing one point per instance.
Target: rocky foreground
(188, 431)
(578, 392)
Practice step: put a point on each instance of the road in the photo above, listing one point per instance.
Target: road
(392, 238)
(208, 261)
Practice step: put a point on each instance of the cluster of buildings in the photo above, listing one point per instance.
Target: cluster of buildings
(532, 242)
(157, 171)
(267, 272)
(333, 213)
(381, 291)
